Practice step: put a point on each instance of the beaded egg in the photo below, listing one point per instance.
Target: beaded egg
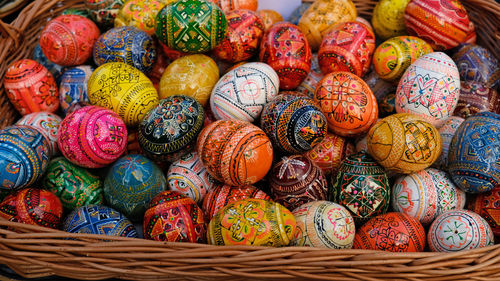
(447, 131)
(24, 156)
(389, 18)
(191, 75)
(73, 86)
(72, 184)
(391, 232)
(39, 207)
(294, 123)
(430, 88)
(174, 217)
(347, 102)
(395, 55)
(191, 26)
(485, 204)
(244, 32)
(308, 86)
(269, 17)
(329, 153)
(189, 177)
(126, 44)
(322, 15)
(132, 95)
(68, 39)
(131, 183)
(235, 152)
(8, 207)
(103, 12)
(442, 23)
(140, 14)
(229, 5)
(55, 69)
(295, 180)
(426, 194)
(242, 93)
(323, 224)
(458, 230)
(474, 152)
(285, 48)
(404, 143)
(475, 98)
(92, 137)
(171, 127)
(361, 185)
(30, 87)
(98, 219)
(46, 123)
(478, 65)
(220, 195)
(348, 46)
(253, 222)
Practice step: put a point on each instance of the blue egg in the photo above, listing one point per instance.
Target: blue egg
(73, 86)
(126, 44)
(53, 68)
(97, 219)
(24, 156)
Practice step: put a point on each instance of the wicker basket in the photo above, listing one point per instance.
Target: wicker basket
(37, 252)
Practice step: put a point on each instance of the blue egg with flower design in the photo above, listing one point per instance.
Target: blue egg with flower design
(73, 86)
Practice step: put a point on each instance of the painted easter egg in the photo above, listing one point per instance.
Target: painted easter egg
(298, 12)
(294, 123)
(24, 156)
(329, 153)
(295, 180)
(244, 32)
(39, 207)
(98, 219)
(242, 93)
(171, 126)
(430, 88)
(269, 17)
(131, 96)
(73, 86)
(178, 28)
(404, 143)
(8, 207)
(68, 39)
(323, 224)
(389, 18)
(55, 69)
(474, 152)
(426, 194)
(104, 12)
(322, 15)
(442, 23)
(92, 137)
(126, 44)
(191, 75)
(391, 232)
(72, 184)
(230, 151)
(394, 56)
(254, 222)
(477, 64)
(131, 183)
(221, 195)
(174, 217)
(189, 177)
(485, 204)
(447, 131)
(140, 14)
(348, 46)
(475, 98)
(46, 123)
(361, 186)
(230, 5)
(308, 86)
(458, 230)
(285, 48)
(347, 102)
(30, 87)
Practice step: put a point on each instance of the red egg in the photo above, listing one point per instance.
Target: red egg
(487, 205)
(348, 46)
(31, 87)
(68, 39)
(39, 207)
(286, 49)
(330, 152)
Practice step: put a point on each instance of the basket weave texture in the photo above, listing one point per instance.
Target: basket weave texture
(33, 251)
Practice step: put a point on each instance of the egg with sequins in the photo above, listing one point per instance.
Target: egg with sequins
(68, 39)
(73, 86)
(447, 131)
(30, 87)
(103, 12)
(92, 137)
(229, 5)
(140, 14)
(39, 207)
(285, 48)
(46, 123)
(475, 98)
(330, 152)
(477, 65)
(269, 17)
(388, 18)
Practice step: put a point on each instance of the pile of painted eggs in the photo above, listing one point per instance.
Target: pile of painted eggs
(214, 122)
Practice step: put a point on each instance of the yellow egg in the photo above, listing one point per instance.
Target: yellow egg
(140, 14)
(254, 222)
(388, 18)
(404, 143)
(123, 89)
(322, 15)
(192, 75)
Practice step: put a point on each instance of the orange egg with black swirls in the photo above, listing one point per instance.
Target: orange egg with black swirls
(348, 103)
(285, 48)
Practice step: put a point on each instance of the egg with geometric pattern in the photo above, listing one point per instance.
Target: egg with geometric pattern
(73, 86)
(39, 207)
